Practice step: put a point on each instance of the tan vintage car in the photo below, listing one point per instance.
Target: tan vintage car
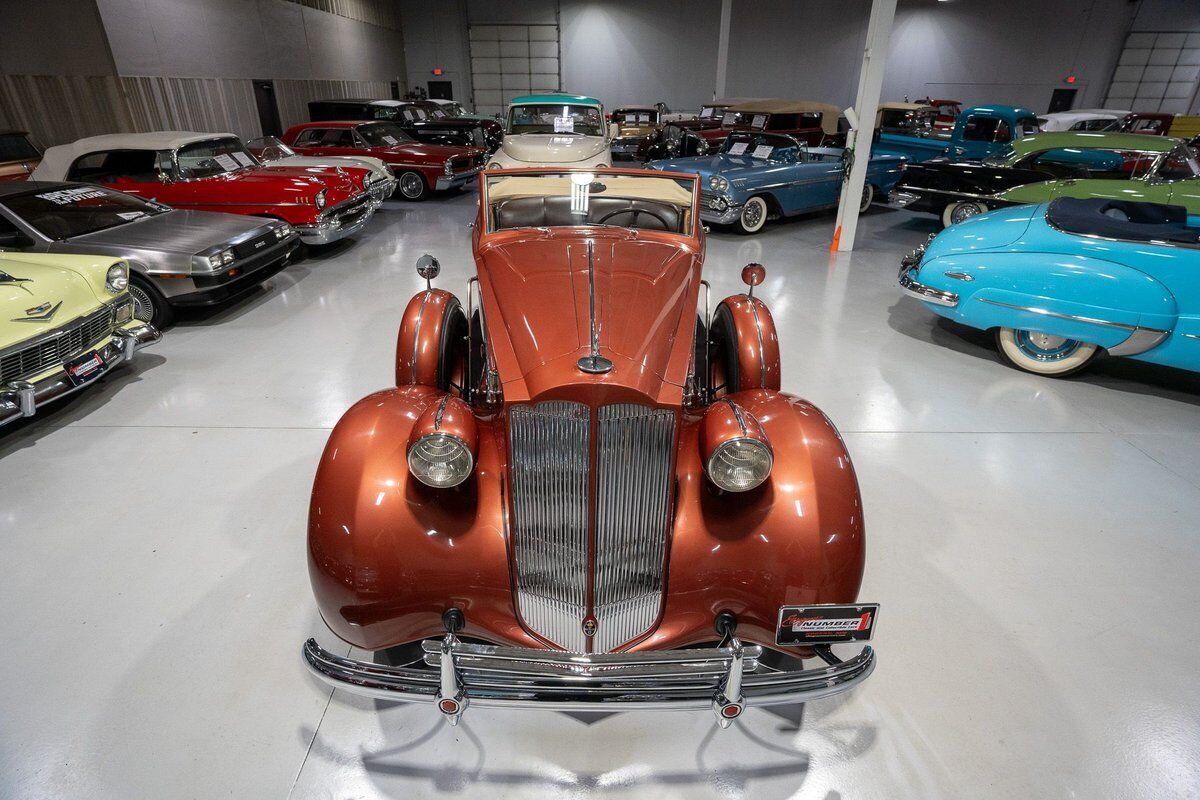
(18, 156)
(632, 129)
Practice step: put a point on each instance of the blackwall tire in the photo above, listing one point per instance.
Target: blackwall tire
(149, 305)
(412, 186)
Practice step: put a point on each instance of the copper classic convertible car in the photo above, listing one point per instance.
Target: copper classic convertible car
(586, 490)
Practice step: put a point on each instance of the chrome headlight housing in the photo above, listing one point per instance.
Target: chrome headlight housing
(495, 165)
(718, 184)
(218, 259)
(283, 231)
(740, 465)
(116, 280)
(448, 168)
(440, 460)
(319, 200)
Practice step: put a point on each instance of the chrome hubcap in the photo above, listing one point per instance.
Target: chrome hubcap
(963, 211)
(752, 215)
(410, 184)
(143, 306)
(1045, 347)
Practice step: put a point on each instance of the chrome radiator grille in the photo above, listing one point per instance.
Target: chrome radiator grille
(50, 350)
(551, 471)
(634, 445)
(550, 456)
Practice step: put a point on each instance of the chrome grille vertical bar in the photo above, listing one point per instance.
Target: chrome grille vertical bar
(551, 452)
(635, 449)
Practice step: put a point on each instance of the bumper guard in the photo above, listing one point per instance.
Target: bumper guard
(455, 674)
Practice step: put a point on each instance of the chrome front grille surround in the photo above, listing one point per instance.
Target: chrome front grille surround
(550, 456)
(48, 350)
(551, 472)
(634, 446)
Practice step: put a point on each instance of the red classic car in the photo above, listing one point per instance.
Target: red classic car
(18, 156)
(947, 112)
(215, 172)
(1154, 124)
(586, 491)
(419, 167)
(815, 124)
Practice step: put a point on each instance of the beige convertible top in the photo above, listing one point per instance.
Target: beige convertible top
(664, 189)
(829, 113)
(57, 160)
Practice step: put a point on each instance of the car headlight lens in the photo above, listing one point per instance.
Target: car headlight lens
(440, 460)
(739, 465)
(367, 181)
(495, 165)
(448, 168)
(117, 278)
(283, 231)
(319, 200)
(226, 257)
(718, 184)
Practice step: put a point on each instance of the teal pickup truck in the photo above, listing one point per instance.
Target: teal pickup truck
(979, 132)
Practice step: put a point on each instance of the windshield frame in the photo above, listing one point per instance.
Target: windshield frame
(177, 168)
(151, 209)
(601, 127)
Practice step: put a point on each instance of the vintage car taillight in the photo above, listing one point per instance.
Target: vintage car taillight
(443, 443)
(737, 455)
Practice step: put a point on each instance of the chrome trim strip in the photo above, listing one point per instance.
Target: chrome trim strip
(925, 293)
(412, 362)
(1191, 335)
(762, 360)
(1139, 340)
(663, 680)
(635, 448)
(1045, 312)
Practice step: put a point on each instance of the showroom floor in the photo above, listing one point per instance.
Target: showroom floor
(1034, 545)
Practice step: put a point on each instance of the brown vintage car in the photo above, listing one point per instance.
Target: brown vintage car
(18, 156)
(585, 490)
(633, 128)
(815, 124)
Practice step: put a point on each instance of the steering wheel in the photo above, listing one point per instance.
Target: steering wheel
(635, 212)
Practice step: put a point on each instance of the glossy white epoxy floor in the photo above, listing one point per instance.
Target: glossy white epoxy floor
(1034, 545)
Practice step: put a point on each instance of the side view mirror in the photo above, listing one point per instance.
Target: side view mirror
(753, 275)
(428, 268)
(163, 177)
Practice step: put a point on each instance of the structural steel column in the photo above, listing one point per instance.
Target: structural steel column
(870, 84)
(723, 48)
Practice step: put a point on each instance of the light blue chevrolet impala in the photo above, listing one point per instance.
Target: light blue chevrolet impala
(757, 176)
(1059, 283)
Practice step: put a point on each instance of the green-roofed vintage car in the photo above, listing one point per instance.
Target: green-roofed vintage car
(64, 321)
(554, 130)
(1044, 166)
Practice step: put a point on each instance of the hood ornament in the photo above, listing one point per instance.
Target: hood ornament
(593, 363)
(40, 313)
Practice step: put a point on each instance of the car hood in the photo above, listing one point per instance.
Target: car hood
(730, 167)
(180, 231)
(551, 148)
(420, 151)
(338, 179)
(37, 283)
(536, 302)
(989, 231)
(628, 131)
(374, 165)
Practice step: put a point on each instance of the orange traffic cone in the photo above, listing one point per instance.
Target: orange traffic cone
(837, 236)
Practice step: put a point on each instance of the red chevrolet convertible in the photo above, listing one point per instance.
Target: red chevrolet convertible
(586, 489)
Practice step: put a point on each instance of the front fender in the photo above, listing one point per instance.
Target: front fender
(1067, 286)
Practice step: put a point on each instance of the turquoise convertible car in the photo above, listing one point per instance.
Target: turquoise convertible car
(757, 176)
(1061, 282)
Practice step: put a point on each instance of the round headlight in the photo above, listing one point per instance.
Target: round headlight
(320, 199)
(117, 279)
(717, 183)
(440, 460)
(739, 465)
(495, 165)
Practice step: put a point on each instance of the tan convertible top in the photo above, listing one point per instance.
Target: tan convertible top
(897, 106)
(829, 113)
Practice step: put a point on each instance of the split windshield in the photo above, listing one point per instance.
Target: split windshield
(213, 157)
(75, 210)
(556, 118)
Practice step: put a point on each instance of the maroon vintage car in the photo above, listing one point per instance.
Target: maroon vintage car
(215, 172)
(419, 167)
(18, 156)
(815, 124)
(584, 490)
(1153, 124)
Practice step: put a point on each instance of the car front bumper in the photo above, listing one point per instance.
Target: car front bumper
(23, 398)
(726, 217)
(347, 220)
(913, 288)
(382, 189)
(446, 182)
(726, 679)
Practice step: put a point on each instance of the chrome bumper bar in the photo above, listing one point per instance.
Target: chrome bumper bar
(23, 398)
(902, 199)
(920, 290)
(456, 180)
(726, 679)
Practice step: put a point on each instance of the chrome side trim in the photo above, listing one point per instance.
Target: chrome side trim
(1045, 312)
(551, 449)
(662, 680)
(925, 293)
(412, 362)
(635, 446)
(1191, 335)
(1139, 340)
(762, 360)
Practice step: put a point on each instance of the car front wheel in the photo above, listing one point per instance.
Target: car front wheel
(413, 186)
(957, 212)
(1042, 353)
(148, 303)
(867, 197)
(753, 216)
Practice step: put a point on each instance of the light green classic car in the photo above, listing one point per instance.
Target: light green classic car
(65, 320)
(1041, 167)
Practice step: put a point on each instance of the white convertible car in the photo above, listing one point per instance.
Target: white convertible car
(550, 130)
(1081, 119)
(271, 151)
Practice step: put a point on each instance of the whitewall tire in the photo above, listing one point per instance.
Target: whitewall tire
(957, 212)
(868, 197)
(1043, 354)
(753, 216)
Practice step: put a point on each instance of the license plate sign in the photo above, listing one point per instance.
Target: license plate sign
(84, 368)
(828, 624)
